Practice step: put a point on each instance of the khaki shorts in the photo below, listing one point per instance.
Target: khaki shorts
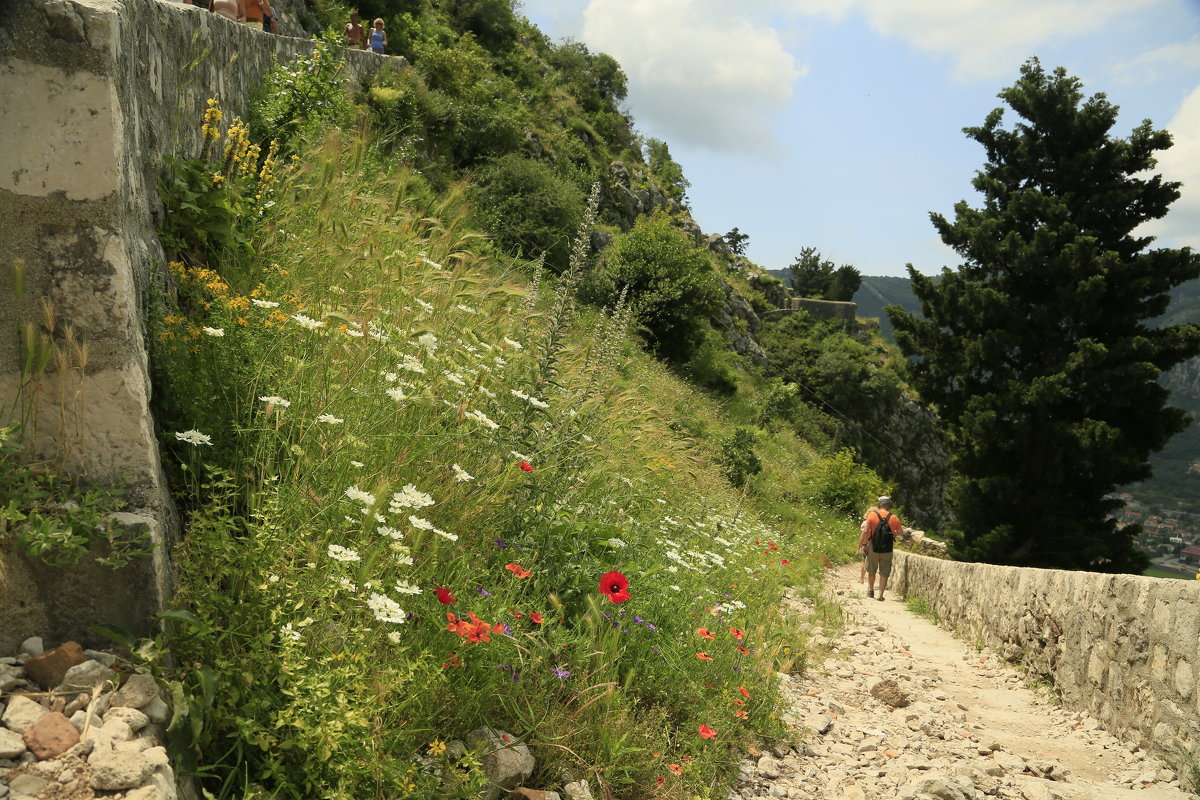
(879, 562)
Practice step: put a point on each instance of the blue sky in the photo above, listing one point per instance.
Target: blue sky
(837, 124)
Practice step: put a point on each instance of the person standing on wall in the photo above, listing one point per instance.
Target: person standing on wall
(353, 31)
(378, 38)
(878, 536)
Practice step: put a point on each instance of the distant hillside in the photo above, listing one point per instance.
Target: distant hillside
(873, 295)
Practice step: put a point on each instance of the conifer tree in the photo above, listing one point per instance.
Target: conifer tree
(1036, 352)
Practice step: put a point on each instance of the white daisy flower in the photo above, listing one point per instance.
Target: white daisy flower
(347, 584)
(288, 633)
(194, 437)
(461, 474)
(213, 331)
(339, 553)
(407, 588)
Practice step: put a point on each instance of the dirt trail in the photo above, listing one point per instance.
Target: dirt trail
(971, 728)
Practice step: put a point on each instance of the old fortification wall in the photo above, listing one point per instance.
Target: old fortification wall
(92, 94)
(1124, 647)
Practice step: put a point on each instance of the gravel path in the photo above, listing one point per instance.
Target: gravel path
(968, 729)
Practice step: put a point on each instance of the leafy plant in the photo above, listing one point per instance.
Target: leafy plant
(739, 462)
(58, 519)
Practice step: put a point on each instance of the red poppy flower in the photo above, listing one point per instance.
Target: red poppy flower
(535, 617)
(660, 780)
(772, 545)
(518, 570)
(453, 662)
(445, 596)
(615, 586)
(740, 714)
(743, 650)
(742, 689)
(739, 701)
(783, 561)
(738, 633)
(704, 656)
(525, 466)
(678, 770)
(705, 632)
(707, 732)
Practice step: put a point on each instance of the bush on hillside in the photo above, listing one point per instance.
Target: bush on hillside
(840, 484)
(739, 462)
(527, 208)
(672, 287)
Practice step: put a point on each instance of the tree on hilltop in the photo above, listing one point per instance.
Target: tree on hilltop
(814, 276)
(1037, 352)
(737, 241)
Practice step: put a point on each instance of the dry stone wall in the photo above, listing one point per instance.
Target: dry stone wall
(1123, 647)
(93, 93)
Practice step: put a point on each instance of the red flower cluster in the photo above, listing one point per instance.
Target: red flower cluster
(518, 570)
(525, 466)
(445, 596)
(614, 586)
(475, 630)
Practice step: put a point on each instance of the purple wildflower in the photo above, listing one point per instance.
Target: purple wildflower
(561, 673)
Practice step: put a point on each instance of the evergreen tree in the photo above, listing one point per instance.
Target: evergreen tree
(737, 241)
(1037, 352)
(810, 273)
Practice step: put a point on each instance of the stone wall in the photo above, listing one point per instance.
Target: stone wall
(93, 93)
(826, 309)
(1124, 647)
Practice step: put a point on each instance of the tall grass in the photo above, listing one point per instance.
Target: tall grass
(386, 436)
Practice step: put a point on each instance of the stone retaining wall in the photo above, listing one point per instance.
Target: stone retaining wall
(1123, 647)
(93, 93)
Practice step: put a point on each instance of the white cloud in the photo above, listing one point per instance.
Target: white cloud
(1158, 63)
(701, 72)
(1181, 163)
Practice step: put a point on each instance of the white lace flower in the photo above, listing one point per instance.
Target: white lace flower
(452, 537)
(385, 608)
(339, 553)
(429, 342)
(386, 530)
(461, 474)
(410, 497)
(213, 331)
(421, 524)
(482, 419)
(288, 633)
(519, 456)
(396, 393)
(411, 364)
(512, 344)
(355, 493)
(274, 400)
(265, 303)
(454, 377)
(354, 333)
(330, 419)
(194, 437)
(403, 587)
(307, 322)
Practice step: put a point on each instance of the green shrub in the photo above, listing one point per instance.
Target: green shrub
(672, 287)
(840, 484)
(528, 209)
(739, 462)
(713, 366)
(305, 95)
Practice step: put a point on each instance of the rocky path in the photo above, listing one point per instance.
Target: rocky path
(901, 709)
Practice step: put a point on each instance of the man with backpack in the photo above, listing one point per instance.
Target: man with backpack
(878, 536)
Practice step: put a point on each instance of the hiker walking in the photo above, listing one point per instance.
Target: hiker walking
(878, 535)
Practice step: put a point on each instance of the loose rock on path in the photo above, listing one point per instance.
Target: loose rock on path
(901, 709)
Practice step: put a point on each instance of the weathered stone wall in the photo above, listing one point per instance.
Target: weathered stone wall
(1124, 647)
(826, 309)
(93, 93)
